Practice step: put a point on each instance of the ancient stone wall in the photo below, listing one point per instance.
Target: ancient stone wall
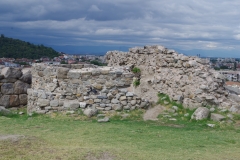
(73, 87)
(185, 79)
(14, 83)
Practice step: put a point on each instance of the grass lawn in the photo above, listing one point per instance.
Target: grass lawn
(61, 137)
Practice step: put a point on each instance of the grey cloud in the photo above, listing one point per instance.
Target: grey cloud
(179, 24)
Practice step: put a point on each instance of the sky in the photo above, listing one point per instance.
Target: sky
(207, 27)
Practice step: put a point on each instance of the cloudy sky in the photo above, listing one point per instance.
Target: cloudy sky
(206, 27)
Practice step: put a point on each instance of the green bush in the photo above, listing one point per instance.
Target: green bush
(136, 70)
(136, 83)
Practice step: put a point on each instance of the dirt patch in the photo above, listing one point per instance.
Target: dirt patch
(153, 113)
(102, 156)
(11, 137)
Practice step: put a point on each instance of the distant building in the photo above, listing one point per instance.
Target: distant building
(10, 64)
(51, 62)
(231, 75)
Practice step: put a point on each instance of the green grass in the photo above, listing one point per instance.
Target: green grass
(183, 120)
(60, 136)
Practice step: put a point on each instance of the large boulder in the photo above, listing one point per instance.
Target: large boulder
(11, 72)
(7, 88)
(200, 113)
(20, 87)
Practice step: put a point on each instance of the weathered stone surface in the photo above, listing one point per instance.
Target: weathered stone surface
(83, 104)
(71, 104)
(117, 107)
(124, 103)
(133, 102)
(62, 73)
(43, 102)
(235, 109)
(234, 97)
(14, 73)
(73, 74)
(14, 101)
(106, 119)
(7, 88)
(54, 103)
(143, 105)
(20, 87)
(4, 101)
(217, 117)
(114, 101)
(27, 77)
(23, 99)
(90, 112)
(97, 86)
(8, 80)
(200, 113)
(129, 94)
(122, 98)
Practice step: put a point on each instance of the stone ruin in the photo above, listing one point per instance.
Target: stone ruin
(49, 88)
(187, 80)
(14, 83)
(86, 87)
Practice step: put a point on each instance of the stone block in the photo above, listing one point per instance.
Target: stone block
(27, 77)
(11, 73)
(14, 101)
(4, 100)
(43, 102)
(90, 112)
(83, 104)
(7, 88)
(73, 74)
(200, 113)
(23, 99)
(217, 117)
(62, 72)
(71, 104)
(117, 107)
(114, 101)
(123, 98)
(21, 87)
(129, 94)
(54, 103)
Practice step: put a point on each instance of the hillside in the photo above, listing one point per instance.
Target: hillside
(15, 48)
